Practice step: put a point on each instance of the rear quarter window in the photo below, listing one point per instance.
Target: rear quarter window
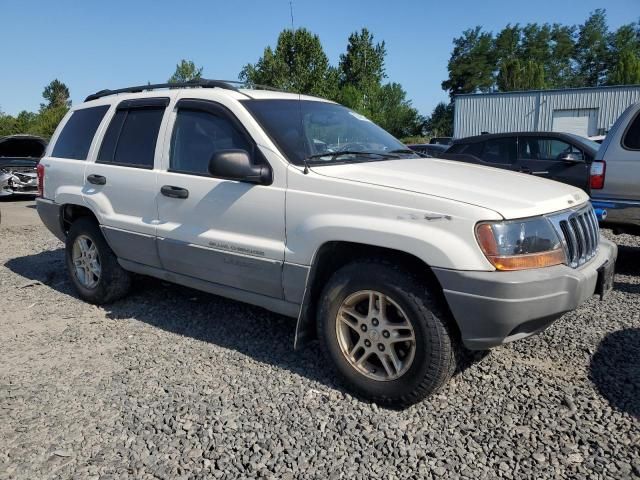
(631, 140)
(77, 134)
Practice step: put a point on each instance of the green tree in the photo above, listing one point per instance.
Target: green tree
(472, 64)
(592, 54)
(389, 108)
(440, 122)
(185, 71)
(56, 94)
(517, 75)
(507, 43)
(536, 43)
(626, 71)
(363, 63)
(298, 64)
(560, 72)
(46, 122)
(24, 122)
(625, 39)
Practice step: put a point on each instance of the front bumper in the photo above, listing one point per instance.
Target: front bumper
(18, 184)
(493, 308)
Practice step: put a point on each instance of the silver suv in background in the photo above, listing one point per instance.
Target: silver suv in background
(615, 173)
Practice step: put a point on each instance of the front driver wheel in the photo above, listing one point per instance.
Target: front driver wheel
(387, 333)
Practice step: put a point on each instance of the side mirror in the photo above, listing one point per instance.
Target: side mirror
(571, 157)
(236, 165)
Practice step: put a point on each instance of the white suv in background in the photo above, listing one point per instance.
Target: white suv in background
(308, 209)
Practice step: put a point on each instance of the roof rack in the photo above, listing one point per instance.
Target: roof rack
(201, 82)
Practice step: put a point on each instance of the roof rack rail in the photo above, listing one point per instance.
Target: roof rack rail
(201, 82)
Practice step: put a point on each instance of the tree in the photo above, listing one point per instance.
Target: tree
(298, 63)
(440, 122)
(363, 63)
(472, 64)
(56, 94)
(389, 108)
(47, 121)
(186, 70)
(559, 70)
(592, 53)
(517, 75)
(626, 71)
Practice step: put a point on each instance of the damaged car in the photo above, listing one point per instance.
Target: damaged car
(19, 157)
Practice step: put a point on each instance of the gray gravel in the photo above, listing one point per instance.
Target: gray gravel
(173, 383)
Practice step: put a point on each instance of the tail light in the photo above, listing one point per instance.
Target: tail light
(40, 173)
(598, 170)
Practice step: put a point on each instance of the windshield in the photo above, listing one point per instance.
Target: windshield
(319, 131)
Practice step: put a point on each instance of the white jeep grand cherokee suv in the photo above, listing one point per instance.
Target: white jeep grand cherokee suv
(308, 209)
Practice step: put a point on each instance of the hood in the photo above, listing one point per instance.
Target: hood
(511, 194)
(22, 146)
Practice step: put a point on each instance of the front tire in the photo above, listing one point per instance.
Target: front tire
(93, 267)
(387, 333)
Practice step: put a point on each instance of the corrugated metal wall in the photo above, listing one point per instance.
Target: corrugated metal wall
(533, 111)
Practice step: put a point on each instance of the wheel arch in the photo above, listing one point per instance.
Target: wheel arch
(70, 212)
(333, 255)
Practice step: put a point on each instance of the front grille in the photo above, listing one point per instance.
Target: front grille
(580, 234)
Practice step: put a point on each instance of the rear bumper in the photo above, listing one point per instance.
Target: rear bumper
(619, 212)
(51, 215)
(493, 308)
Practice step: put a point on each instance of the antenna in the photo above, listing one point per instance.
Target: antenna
(293, 36)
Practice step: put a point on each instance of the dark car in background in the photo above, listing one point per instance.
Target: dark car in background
(19, 157)
(563, 157)
(441, 141)
(428, 149)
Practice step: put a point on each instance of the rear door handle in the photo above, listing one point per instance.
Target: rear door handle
(97, 179)
(174, 192)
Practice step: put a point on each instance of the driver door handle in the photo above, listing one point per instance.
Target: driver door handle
(97, 179)
(174, 192)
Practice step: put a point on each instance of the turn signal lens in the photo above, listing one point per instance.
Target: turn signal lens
(533, 260)
(520, 244)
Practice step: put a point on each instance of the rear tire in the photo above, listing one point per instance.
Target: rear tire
(395, 372)
(93, 267)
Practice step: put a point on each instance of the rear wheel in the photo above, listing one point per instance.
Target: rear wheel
(386, 333)
(92, 265)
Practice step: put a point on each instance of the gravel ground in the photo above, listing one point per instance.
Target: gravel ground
(173, 383)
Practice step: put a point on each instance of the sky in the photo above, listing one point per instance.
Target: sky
(92, 45)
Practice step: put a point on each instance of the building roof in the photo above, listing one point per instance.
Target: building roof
(550, 90)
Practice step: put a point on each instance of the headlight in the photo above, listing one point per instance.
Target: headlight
(520, 244)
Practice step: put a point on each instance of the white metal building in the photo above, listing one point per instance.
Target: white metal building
(583, 111)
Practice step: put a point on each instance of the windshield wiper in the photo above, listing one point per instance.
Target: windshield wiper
(334, 155)
(403, 150)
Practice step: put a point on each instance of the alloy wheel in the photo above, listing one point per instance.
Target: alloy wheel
(375, 335)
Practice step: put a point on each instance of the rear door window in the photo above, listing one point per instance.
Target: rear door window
(500, 150)
(631, 139)
(75, 139)
(131, 137)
